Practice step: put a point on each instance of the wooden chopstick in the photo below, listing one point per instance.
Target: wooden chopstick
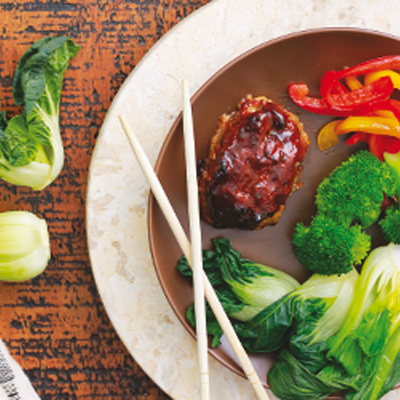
(185, 246)
(196, 244)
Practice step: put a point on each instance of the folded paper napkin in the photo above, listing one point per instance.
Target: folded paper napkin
(14, 384)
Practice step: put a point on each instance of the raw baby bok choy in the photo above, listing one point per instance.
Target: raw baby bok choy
(243, 287)
(24, 245)
(31, 150)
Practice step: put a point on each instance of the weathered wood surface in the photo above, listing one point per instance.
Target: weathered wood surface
(55, 325)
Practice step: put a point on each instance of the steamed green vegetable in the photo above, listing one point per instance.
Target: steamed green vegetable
(320, 307)
(328, 247)
(31, 150)
(393, 161)
(256, 285)
(348, 201)
(390, 224)
(354, 191)
(369, 341)
(24, 245)
(360, 355)
(306, 316)
(243, 287)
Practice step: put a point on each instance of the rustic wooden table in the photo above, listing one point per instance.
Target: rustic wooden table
(55, 325)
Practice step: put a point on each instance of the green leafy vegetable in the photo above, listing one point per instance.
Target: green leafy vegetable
(24, 245)
(320, 307)
(243, 287)
(31, 150)
(271, 328)
(369, 340)
(255, 285)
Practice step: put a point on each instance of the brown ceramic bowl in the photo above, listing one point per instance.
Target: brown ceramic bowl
(266, 70)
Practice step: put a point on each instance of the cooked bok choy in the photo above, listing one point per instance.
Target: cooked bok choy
(307, 316)
(368, 344)
(360, 356)
(243, 287)
(318, 310)
(24, 245)
(256, 285)
(31, 150)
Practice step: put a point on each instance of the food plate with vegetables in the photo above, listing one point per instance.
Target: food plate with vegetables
(270, 70)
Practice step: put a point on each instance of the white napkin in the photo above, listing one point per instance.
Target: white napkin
(14, 384)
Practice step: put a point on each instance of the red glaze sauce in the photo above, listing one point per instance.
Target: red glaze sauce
(254, 165)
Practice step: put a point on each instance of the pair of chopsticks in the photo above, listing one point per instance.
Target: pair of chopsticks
(193, 253)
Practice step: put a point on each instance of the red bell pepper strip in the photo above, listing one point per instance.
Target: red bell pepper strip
(354, 100)
(377, 64)
(336, 87)
(358, 137)
(374, 142)
(339, 88)
(298, 92)
(329, 82)
(389, 105)
(390, 144)
(378, 144)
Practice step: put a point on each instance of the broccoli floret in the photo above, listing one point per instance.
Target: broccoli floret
(348, 201)
(354, 191)
(390, 225)
(328, 248)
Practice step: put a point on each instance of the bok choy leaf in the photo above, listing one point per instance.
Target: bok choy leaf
(243, 287)
(360, 353)
(369, 341)
(319, 304)
(255, 285)
(31, 149)
(320, 307)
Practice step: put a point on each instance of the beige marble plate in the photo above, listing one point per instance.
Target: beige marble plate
(118, 192)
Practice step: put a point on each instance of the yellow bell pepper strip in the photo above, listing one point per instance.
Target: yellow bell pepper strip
(370, 124)
(374, 76)
(353, 83)
(378, 144)
(385, 114)
(327, 136)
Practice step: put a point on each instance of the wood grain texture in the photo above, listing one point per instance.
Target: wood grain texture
(55, 325)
